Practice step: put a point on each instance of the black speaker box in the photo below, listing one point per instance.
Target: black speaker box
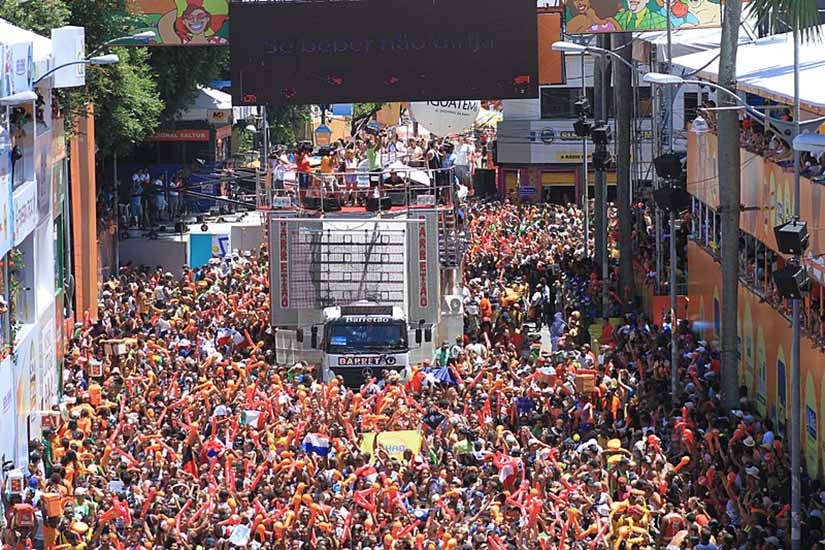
(374, 204)
(668, 165)
(330, 204)
(672, 198)
(484, 183)
(792, 282)
(792, 237)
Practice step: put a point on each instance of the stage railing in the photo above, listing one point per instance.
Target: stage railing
(390, 188)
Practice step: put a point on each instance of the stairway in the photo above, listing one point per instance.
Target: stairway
(450, 239)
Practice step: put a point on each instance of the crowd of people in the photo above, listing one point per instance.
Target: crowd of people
(188, 434)
(154, 199)
(376, 152)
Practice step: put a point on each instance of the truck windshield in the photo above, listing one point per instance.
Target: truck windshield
(353, 337)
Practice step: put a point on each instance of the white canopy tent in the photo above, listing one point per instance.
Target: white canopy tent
(685, 41)
(208, 101)
(765, 67)
(41, 46)
(812, 143)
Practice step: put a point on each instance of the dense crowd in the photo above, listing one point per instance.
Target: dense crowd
(194, 438)
(384, 154)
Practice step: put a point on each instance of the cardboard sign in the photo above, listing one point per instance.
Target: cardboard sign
(395, 443)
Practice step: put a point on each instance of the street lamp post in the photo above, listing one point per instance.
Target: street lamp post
(796, 420)
(108, 59)
(564, 46)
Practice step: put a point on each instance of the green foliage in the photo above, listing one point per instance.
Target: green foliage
(365, 110)
(180, 70)
(133, 98)
(127, 104)
(40, 16)
(784, 15)
(286, 123)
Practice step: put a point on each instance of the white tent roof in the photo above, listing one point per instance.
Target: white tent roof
(208, 99)
(11, 34)
(765, 67)
(686, 41)
(42, 46)
(813, 143)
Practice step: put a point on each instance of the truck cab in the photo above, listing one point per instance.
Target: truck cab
(363, 340)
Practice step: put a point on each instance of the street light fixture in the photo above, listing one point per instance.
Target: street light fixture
(145, 35)
(569, 47)
(663, 79)
(574, 48)
(108, 59)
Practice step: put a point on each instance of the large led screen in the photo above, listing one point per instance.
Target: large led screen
(383, 50)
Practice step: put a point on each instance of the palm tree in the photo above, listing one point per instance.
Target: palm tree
(802, 17)
(623, 100)
(773, 16)
(729, 201)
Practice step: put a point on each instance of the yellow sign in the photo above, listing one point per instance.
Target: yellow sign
(572, 157)
(395, 443)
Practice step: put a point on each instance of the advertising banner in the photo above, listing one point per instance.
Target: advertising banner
(43, 174)
(26, 385)
(766, 336)
(5, 193)
(395, 443)
(7, 409)
(47, 360)
(445, 118)
(180, 135)
(21, 68)
(553, 142)
(69, 46)
(176, 22)
(605, 16)
(399, 50)
(25, 211)
(767, 191)
(550, 62)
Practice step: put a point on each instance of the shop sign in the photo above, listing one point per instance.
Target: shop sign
(180, 135)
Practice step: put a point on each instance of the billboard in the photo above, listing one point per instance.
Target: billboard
(767, 188)
(550, 62)
(600, 16)
(399, 50)
(177, 22)
(764, 364)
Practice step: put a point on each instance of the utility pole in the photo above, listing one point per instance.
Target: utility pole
(674, 319)
(729, 163)
(623, 100)
(796, 380)
(586, 183)
(601, 82)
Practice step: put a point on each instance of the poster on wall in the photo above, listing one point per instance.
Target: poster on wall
(176, 22)
(26, 396)
(47, 361)
(25, 211)
(43, 174)
(605, 16)
(5, 193)
(21, 68)
(69, 46)
(772, 337)
(7, 409)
